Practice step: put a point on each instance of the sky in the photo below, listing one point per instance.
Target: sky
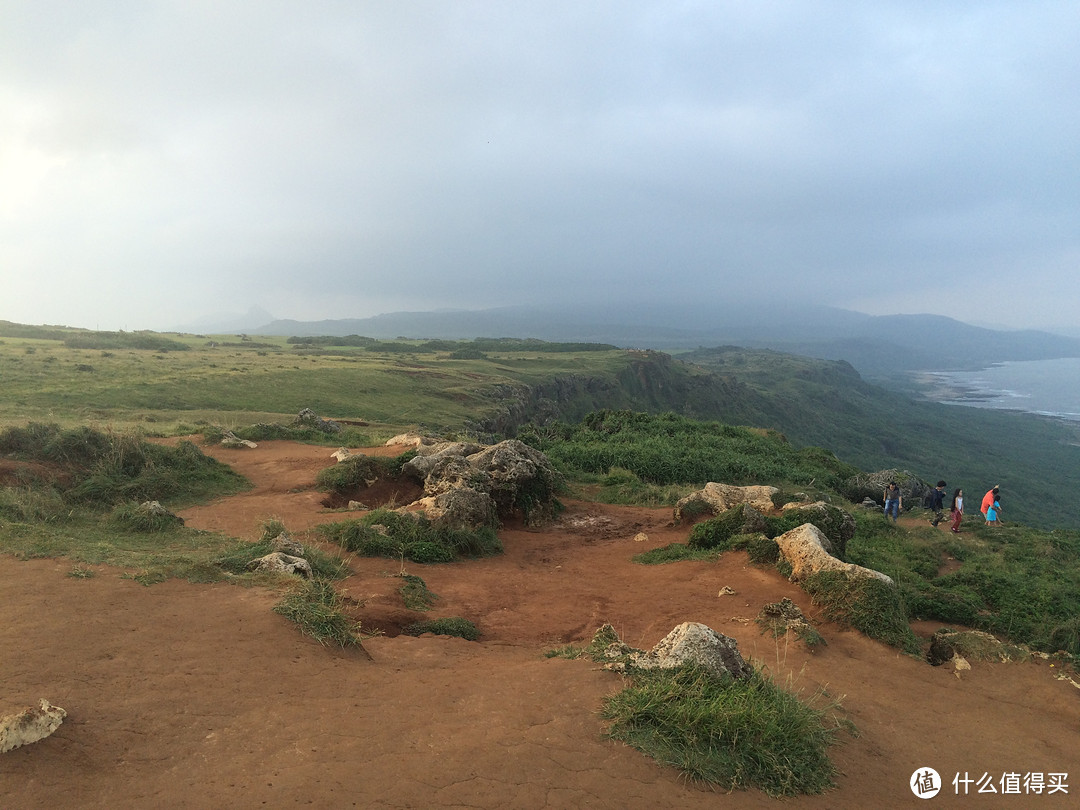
(163, 161)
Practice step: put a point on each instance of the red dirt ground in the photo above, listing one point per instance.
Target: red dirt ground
(196, 696)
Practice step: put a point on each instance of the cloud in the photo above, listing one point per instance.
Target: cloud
(343, 159)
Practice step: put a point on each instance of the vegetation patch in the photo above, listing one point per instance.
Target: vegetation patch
(670, 449)
(103, 469)
(316, 606)
(675, 552)
(450, 626)
(868, 604)
(745, 733)
(385, 533)
(416, 594)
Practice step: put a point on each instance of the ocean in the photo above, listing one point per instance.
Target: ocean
(1045, 387)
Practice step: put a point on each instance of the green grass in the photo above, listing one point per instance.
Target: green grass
(450, 626)
(385, 533)
(415, 593)
(668, 449)
(736, 734)
(316, 606)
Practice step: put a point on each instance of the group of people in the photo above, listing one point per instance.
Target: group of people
(990, 507)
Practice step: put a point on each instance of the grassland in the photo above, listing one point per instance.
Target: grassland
(228, 381)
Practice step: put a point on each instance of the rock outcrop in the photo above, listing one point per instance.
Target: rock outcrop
(688, 643)
(699, 644)
(716, 498)
(467, 484)
(803, 548)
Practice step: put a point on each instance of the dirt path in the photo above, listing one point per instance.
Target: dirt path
(187, 696)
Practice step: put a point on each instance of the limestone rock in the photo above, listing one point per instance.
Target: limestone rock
(308, 418)
(286, 545)
(458, 508)
(414, 440)
(30, 725)
(693, 642)
(341, 454)
(282, 563)
(231, 440)
(836, 524)
(717, 498)
(803, 549)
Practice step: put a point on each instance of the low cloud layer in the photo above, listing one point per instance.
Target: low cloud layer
(161, 161)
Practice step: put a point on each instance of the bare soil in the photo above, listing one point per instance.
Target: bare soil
(196, 696)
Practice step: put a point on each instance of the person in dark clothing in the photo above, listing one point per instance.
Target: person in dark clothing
(937, 499)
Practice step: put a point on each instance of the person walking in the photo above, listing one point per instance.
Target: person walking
(957, 510)
(937, 503)
(988, 501)
(894, 501)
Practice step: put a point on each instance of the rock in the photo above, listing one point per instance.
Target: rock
(286, 545)
(940, 649)
(692, 642)
(641, 537)
(30, 725)
(231, 440)
(341, 454)
(716, 498)
(803, 549)
(414, 440)
(282, 563)
(308, 418)
(872, 485)
(156, 510)
(836, 524)
(356, 505)
(460, 508)
(727, 590)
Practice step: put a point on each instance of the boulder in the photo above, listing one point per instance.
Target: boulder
(30, 725)
(231, 440)
(716, 498)
(308, 418)
(804, 550)
(341, 454)
(872, 485)
(836, 524)
(282, 563)
(414, 440)
(286, 545)
(460, 508)
(692, 642)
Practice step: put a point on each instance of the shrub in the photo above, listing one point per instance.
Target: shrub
(451, 626)
(385, 533)
(868, 604)
(716, 532)
(316, 606)
(736, 734)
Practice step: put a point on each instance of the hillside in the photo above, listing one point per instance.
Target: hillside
(185, 383)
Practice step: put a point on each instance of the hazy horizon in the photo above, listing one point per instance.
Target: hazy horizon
(164, 162)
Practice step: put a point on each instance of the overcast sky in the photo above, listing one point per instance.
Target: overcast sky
(165, 160)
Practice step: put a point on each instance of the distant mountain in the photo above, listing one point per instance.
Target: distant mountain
(875, 345)
(227, 323)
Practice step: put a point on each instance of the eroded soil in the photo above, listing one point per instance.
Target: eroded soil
(196, 696)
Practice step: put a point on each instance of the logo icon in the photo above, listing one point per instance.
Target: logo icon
(925, 783)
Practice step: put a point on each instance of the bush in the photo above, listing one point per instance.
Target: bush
(316, 606)
(411, 536)
(735, 734)
(868, 604)
(452, 626)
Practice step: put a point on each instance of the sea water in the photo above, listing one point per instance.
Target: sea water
(1047, 387)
